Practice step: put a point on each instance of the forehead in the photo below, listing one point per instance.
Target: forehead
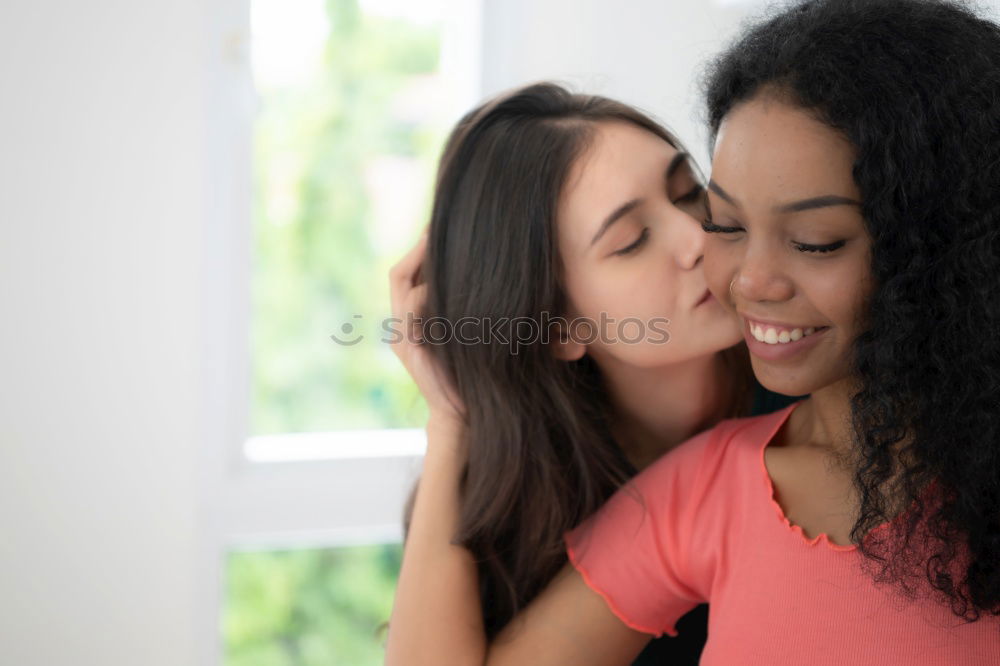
(619, 160)
(618, 148)
(765, 145)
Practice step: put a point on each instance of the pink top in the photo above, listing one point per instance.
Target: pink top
(711, 531)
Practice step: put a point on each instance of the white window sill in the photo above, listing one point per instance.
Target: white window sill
(340, 445)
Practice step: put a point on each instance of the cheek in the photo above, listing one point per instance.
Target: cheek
(643, 288)
(590, 292)
(720, 266)
(650, 287)
(838, 294)
(851, 296)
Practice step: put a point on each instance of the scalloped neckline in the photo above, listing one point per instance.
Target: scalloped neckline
(822, 537)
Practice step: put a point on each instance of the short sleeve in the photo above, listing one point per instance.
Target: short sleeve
(635, 550)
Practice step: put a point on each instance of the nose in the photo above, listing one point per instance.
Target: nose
(759, 277)
(688, 242)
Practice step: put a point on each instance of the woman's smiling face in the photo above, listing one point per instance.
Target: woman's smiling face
(788, 251)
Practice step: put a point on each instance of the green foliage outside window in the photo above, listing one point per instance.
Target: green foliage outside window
(321, 260)
(331, 155)
(310, 607)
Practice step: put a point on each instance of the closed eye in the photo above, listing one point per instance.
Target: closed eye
(712, 228)
(803, 247)
(636, 245)
(693, 195)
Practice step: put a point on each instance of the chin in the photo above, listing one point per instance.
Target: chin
(784, 382)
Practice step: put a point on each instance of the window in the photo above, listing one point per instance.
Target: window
(353, 110)
(353, 100)
(310, 606)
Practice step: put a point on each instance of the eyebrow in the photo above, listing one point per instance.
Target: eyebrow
(817, 202)
(627, 207)
(811, 203)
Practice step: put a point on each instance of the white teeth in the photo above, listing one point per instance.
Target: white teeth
(771, 336)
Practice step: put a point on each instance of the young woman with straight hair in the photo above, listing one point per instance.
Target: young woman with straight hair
(566, 310)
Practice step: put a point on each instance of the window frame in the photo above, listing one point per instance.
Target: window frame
(323, 496)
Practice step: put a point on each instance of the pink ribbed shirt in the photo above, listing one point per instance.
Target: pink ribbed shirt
(708, 529)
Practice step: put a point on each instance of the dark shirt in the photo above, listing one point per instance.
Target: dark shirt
(692, 629)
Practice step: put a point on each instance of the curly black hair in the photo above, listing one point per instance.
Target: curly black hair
(915, 86)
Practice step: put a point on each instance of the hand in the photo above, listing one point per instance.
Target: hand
(408, 295)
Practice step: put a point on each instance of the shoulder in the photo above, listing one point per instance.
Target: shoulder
(709, 457)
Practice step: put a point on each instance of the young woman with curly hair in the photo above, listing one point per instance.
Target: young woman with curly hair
(551, 205)
(855, 234)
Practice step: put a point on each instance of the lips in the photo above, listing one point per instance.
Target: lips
(778, 341)
(776, 335)
(704, 297)
(766, 325)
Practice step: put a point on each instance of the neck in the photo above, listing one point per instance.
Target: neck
(655, 410)
(823, 422)
(824, 425)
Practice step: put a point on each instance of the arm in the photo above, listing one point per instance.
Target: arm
(636, 568)
(567, 623)
(436, 617)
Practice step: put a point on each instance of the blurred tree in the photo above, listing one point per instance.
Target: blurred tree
(336, 157)
(321, 607)
(320, 261)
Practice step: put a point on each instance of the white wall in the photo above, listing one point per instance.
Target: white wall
(648, 53)
(645, 53)
(102, 206)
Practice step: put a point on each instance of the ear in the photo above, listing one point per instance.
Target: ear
(563, 346)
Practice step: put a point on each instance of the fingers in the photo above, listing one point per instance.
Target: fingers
(407, 296)
(402, 276)
(408, 267)
(415, 302)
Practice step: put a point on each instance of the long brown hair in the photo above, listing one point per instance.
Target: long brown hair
(541, 454)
